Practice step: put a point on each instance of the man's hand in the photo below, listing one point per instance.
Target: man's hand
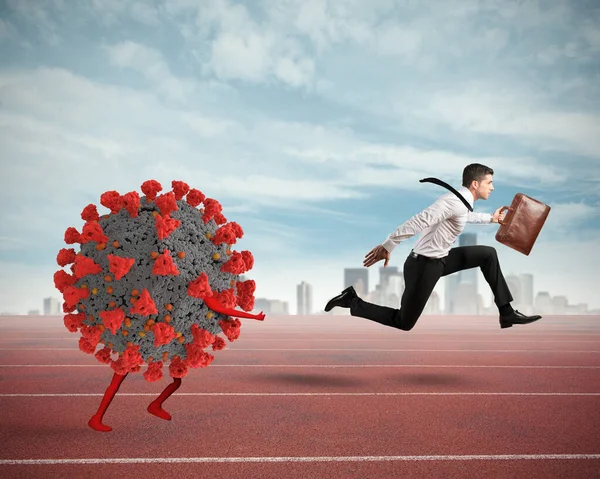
(497, 217)
(377, 254)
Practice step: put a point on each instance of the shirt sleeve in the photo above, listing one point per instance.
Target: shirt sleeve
(479, 218)
(440, 210)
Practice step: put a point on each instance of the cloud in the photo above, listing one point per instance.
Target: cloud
(39, 16)
(144, 13)
(566, 219)
(301, 164)
(241, 48)
(7, 30)
(257, 57)
(115, 12)
(208, 126)
(497, 110)
(393, 40)
(150, 63)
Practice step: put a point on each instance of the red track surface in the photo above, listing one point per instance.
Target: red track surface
(316, 397)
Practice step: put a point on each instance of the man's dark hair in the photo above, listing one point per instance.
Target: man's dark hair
(475, 172)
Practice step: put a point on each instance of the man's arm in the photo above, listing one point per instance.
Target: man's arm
(479, 218)
(439, 211)
(485, 218)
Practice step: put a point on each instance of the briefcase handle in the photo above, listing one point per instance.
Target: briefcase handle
(501, 210)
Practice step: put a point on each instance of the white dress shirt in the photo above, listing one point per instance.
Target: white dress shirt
(439, 225)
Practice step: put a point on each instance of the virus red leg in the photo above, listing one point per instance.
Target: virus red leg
(215, 305)
(155, 406)
(96, 421)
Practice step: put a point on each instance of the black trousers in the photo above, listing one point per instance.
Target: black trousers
(420, 277)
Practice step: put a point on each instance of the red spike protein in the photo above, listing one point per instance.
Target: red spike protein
(155, 280)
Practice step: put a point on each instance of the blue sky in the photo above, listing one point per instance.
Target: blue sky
(310, 121)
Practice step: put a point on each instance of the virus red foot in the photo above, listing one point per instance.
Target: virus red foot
(155, 406)
(96, 420)
(158, 411)
(96, 423)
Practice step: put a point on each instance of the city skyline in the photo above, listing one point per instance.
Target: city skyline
(462, 295)
(389, 288)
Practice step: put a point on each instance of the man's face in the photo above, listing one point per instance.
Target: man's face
(485, 187)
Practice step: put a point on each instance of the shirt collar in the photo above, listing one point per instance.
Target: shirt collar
(466, 194)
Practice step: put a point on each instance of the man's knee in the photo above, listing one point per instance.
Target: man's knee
(490, 252)
(405, 321)
(407, 326)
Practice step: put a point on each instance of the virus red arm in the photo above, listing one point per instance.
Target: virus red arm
(216, 306)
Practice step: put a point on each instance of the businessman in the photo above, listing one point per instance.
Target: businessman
(432, 257)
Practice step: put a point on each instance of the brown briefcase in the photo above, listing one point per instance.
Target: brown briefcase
(522, 223)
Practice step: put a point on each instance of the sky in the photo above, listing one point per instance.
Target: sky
(310, 121)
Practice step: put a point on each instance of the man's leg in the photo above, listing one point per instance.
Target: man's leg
(486, 258)
(420, 277)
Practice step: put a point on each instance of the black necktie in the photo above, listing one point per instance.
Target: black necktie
(446, 185)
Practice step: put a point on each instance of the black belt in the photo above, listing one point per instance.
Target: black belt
(417, 256)
(420, 256)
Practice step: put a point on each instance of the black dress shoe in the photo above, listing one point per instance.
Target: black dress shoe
(343, 300)
(517, 318)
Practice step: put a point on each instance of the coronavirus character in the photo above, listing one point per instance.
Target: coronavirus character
(155, 281)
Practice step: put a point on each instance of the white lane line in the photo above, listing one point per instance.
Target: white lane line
(175, 460)
(309, 394)
(316, 366)
(554, 351)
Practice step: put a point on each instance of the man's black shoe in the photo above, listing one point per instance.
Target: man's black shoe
(517, 318)
(343, 300)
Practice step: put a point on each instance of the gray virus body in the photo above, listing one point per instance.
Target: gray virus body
(155, 280)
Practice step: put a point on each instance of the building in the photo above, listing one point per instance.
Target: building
(451, 294)
(468, 276)
(359, 278)
(466, 299)
(385, 274)
(270, 306)
(304, 298)
(52, 307)
(393, 291)
(465, 291)
(543, 303)
(432, 306)
(526, 291)
(514, 285)
(279, 307)
(560, 305)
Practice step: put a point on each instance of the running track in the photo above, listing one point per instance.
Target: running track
(316, 397)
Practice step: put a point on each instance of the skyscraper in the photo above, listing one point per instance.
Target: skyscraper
(357, 277)
(464, 290)
(304, 298)
(385, 273)
(526, 289)
(451, 294)
(514, 285)
(52, 307)
(543, 303)
(468, 276)
(394, 291)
